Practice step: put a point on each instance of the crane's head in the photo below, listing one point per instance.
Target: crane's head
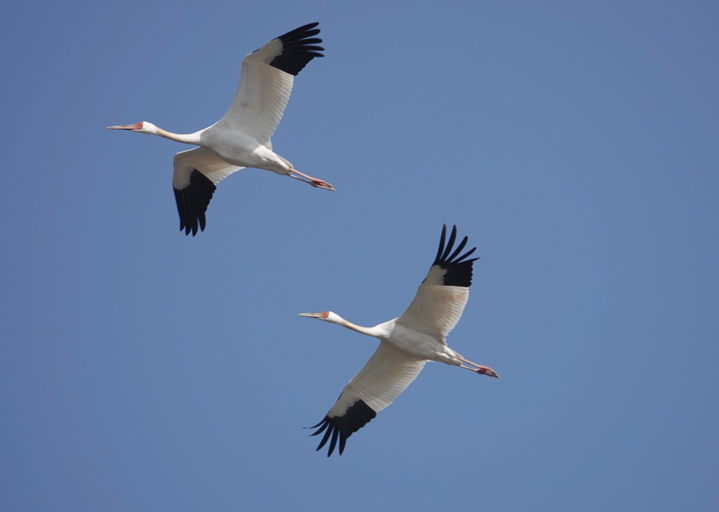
(327, 316)
(141, 127)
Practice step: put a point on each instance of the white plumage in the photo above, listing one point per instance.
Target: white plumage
(406, 344)
(242, 137)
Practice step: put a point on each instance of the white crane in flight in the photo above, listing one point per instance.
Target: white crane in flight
(406, 344)
(242, 137)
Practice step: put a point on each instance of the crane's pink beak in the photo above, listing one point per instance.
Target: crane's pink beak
(320, 316)
(135, 126)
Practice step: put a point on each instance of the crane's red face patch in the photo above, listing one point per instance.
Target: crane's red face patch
(325, 314)
(138, 126)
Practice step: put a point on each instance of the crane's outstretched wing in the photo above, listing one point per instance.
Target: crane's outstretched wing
(377, 385)
(266, 82)
(440, 299)
(197, 172)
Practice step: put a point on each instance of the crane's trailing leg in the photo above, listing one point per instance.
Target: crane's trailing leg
(311, 181)
(478, 368)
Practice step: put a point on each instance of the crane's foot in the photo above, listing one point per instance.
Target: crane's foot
(311, 181)
(486, 370)
(478, 368)
(322, 184)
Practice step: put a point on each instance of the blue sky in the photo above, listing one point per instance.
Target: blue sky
(575, 143)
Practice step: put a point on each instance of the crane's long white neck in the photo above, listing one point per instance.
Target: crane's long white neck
(375, 331)
(186, 138)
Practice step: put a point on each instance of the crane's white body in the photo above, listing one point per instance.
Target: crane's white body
(411, 342)
(406, 344)
(242, 137)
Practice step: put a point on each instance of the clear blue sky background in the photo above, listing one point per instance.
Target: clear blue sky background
(575, 143)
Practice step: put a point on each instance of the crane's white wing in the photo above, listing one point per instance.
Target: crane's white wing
(388, 372)
(266, 82)
(197, 172)
(440, 299)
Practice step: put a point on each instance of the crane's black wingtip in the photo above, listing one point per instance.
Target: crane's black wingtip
(299, 47)
(459, 268)
(192, 202)
(309, 26)
(340, 428)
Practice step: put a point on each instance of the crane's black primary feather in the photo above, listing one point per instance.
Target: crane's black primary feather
(459, 269)
(341, 427)
(298, 48)
(192, 202)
